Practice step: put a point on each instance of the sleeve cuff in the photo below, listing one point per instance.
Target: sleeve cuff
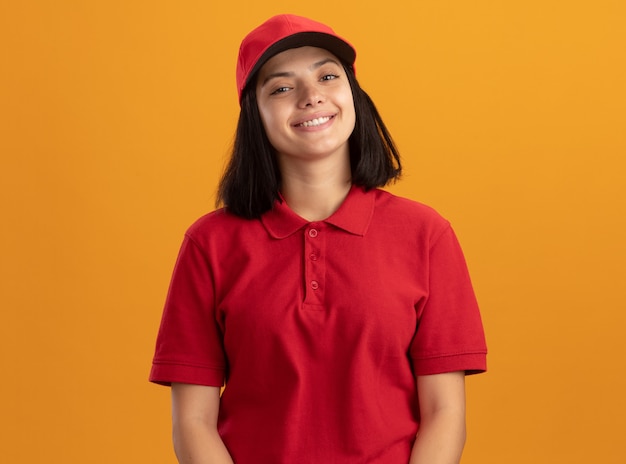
(471, 363)
(166, 374)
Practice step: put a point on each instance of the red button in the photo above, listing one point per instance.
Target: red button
(313, 257)
(313, 233)
(315, 285)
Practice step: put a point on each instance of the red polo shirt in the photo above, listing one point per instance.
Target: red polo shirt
(319, 328)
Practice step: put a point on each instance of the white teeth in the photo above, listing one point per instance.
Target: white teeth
(315, 122)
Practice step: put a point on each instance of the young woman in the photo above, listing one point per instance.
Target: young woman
(340, 318)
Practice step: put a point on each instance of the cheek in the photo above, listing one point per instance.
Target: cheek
(271, 118)
(269, 121)
(350, 112)
(266, 121)
(263, 114)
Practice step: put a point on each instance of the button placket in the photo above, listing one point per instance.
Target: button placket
(314, 263)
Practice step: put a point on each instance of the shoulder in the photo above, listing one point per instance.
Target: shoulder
(404, 212)
(218, 225)
(219, 217)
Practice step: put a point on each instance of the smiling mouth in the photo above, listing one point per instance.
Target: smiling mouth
(315, 122)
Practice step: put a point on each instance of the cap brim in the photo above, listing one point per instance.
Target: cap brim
(333, 44)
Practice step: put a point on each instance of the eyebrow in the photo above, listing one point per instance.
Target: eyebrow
(314, 66)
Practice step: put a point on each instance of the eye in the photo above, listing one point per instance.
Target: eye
(329, 77)
(280, 90)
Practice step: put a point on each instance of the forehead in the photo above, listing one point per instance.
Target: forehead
(296, 57)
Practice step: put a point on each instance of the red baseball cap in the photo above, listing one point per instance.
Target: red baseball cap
(284, 32)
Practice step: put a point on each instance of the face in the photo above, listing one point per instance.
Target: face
(306, 104)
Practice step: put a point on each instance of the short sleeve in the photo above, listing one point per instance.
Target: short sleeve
(449, 335)
(189, 347)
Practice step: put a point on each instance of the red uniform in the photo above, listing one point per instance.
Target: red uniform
(318, 329)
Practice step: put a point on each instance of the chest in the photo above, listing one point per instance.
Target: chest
(324, 284)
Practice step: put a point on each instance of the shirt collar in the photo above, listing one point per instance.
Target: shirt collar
(353, 216)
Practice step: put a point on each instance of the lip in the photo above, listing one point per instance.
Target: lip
(311, 117)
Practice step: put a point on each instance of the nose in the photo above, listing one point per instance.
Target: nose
(310, 95)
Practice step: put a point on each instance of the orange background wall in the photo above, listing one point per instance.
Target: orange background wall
(116, 120)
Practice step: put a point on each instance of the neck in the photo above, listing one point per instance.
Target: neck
(316, 192)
